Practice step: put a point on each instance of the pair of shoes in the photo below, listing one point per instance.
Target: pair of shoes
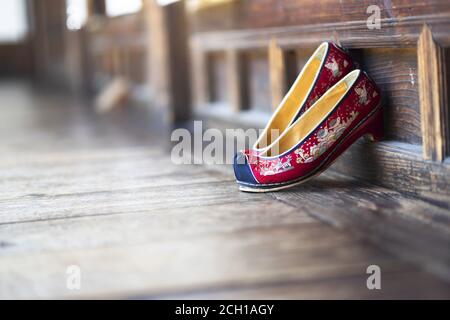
(330, 106)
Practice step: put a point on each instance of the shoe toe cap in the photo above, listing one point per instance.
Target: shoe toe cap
(242, 169)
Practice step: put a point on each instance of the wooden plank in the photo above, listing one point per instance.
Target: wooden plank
(157, 226)
(431, 91)
(407, 226)
(223, 259)
(254, 14)
(404, 285)
(101, 202)
(398, 166)
(88, 181)
(353, 34)
(277, 66)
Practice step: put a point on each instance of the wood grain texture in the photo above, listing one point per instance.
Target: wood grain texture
(252, 14)
(81, 190)
(350, 288)
(395, 72)
(432, 96)
(351, 34)
(374, 207)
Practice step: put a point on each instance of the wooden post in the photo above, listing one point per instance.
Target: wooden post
(277, 65)
(432, 94)
(168, 57)
(236, 77)
(200, 76)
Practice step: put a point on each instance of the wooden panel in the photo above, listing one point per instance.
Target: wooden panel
(352, 34)
(275, 13)
(218, 77)
(395, 72)
(259, 81)
(396, 165)
(432, 91)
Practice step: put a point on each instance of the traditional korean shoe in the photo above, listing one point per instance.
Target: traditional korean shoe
(349, 110)
(325, 68)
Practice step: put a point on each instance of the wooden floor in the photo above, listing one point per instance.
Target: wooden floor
(101, 193)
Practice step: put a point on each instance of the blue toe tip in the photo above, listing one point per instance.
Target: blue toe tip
(242, 169)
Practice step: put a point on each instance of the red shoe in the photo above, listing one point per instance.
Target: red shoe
(326, 67)
(346, 112)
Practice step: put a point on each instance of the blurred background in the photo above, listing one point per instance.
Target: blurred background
(85, 47)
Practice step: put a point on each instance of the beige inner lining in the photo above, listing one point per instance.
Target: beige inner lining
(291, 104)
(313, 117)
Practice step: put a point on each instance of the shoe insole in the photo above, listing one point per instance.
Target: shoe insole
(310, 120)
(291, 105)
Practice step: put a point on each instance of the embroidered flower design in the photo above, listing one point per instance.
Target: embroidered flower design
(277, 166)
(333, 66)
(303, 157)
(362, 94)
(345, 63)
(326, 137)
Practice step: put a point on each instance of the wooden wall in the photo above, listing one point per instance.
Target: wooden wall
(148, 48)
(258, 46)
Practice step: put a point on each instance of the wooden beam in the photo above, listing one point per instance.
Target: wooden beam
(432, 96)
(277, 65)
(236, 77)
(351, 34)
(168, 70)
